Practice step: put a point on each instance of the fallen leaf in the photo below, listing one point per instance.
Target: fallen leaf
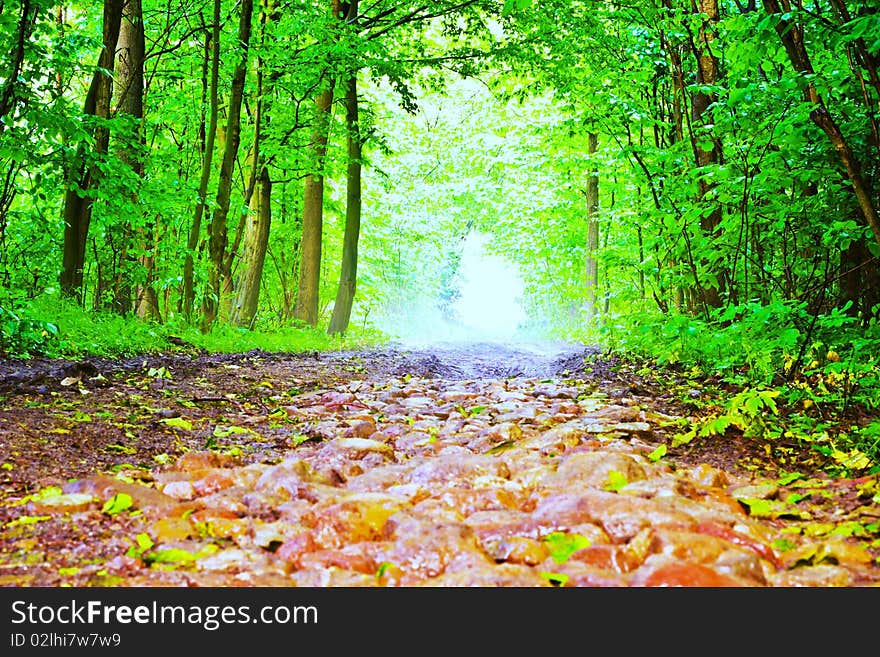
(178, 423)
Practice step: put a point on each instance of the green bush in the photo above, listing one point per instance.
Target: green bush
(23, 337)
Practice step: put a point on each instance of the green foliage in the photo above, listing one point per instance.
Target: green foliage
(24, 338)
(751, 411)
(746, 343)
(229, 339)
(72, 332)
(779, 355)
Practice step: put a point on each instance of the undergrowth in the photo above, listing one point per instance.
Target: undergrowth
(52, 328)
(786, 375)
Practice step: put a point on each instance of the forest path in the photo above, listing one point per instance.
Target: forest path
(449, 465)
(481, 359)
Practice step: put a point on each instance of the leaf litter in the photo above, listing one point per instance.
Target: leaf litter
(460, 465)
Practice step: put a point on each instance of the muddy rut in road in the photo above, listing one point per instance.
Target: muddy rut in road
(454, 465)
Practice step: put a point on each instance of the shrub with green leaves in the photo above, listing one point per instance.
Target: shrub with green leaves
(23, 338)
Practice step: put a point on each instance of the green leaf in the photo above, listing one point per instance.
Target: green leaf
(790, 477)
(738, 94)
(501, 447)
(222, 432)
(684, 438)
(657, 453)
(117, 503)
(170, 555)
(616, 481)
(26, 520)
(144, 542)
(716, 426)
(783, 545)
(47, 492)
(121, 449)
(562, 545)
(178, 423)
(772, 509)
(853, 460)
(299, 439)
(159, 373)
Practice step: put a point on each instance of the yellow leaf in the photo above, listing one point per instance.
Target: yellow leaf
(179, 423)
(854, 459)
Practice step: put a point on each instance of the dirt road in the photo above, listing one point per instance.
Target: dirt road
(454, 465)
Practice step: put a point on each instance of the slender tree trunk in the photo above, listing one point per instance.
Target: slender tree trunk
(26, 23)
(218, 229)
(210, 135)
(348, 272)
(678, 86)
(707, 74)
(129, 91)
(306, 307)
(309, 280)
(592, 264)
(257, 222)
(676, 136)
(82, 177)
(251, 174)
(256, 241)
(792, 37)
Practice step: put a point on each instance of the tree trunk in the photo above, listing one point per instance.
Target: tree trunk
(26, 24)
(129, 92)
(676, 136)
(592, 264)
(348, 272)
(256, 240)
(859, 281)
(82, 176)
(678, 86)
(792, 37)
(210, 135)
(218, 229)
(306, 307)
(257, 222)
(309, 279)
(707, 74)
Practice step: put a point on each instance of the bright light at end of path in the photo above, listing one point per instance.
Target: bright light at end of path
(488, 305)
